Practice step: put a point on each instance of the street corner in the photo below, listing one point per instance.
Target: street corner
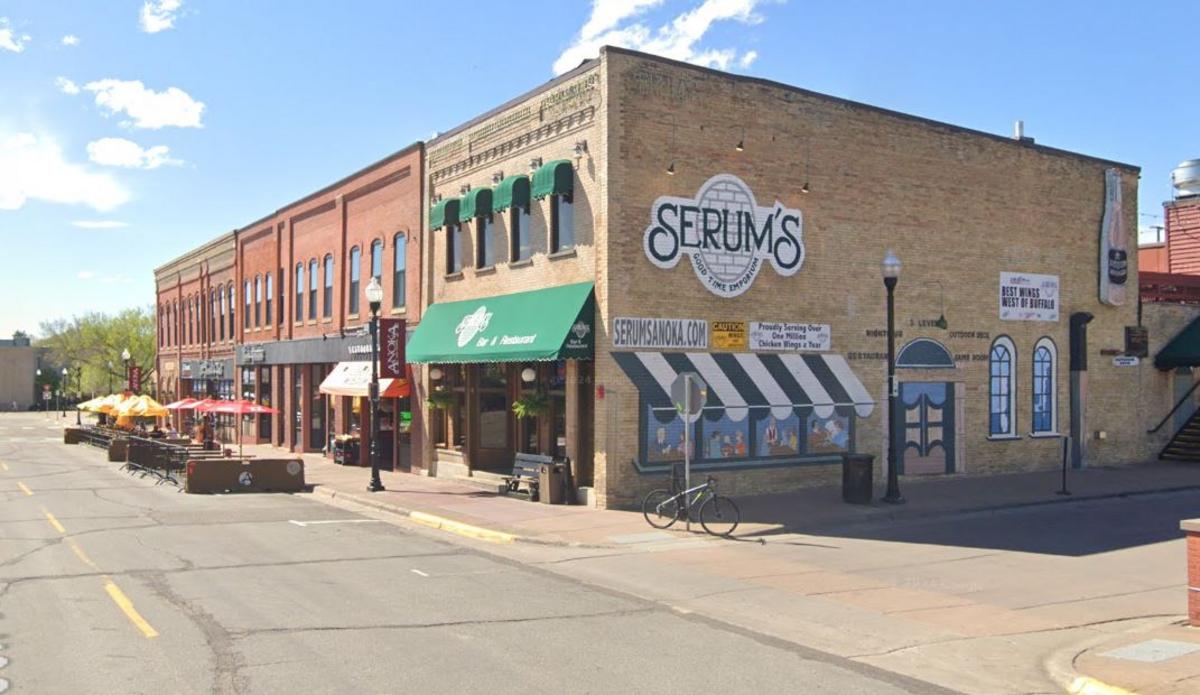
(1154, 659)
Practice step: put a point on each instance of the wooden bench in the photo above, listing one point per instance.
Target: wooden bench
(527, 471)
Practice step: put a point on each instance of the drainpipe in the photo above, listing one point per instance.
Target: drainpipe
(1079, 322)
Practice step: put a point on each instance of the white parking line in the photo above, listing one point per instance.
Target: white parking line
(336, 521)
(419, 572)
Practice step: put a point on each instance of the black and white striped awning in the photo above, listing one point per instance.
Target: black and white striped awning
(740, 381)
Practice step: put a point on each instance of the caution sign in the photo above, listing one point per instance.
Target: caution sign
(729, 335)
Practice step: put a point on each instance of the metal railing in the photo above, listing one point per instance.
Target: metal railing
(1169, 287)
(1183, 400)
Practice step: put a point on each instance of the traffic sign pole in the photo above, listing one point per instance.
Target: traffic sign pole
(687, 450)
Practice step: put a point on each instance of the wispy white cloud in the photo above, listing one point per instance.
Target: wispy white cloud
(99, 224)
(10, 40)
(86, 274)
(66, 86)
(69, 40)
(159, 15)
(33, 168)
(146, 107)
(119, 152)
(620, 23)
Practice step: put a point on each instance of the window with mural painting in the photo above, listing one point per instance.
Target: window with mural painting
(664, 436)
(778, 436)
(827, 435)
(725, 437)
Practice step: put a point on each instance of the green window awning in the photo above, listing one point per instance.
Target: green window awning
(1183, 350)
(511, 192)
(442, 212)
(476, 203)
(551, 324)
(553, 178)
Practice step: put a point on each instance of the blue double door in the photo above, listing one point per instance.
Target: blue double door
(926, 427)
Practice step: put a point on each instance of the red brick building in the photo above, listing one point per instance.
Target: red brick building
(289, 307)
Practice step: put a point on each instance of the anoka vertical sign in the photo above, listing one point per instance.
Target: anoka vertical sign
(1026, 297)
(391, 348)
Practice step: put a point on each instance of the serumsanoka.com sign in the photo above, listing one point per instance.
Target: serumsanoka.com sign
(726, 234)
(659, 334)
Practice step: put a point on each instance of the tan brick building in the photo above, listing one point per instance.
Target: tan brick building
(735, 227)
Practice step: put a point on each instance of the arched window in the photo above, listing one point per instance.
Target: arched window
(377, 260)
(1002, 388)
(248, 299)
(313, 282)
(355, 269)
(399, 269)
(232, 294)
(270, 299)
(257, 301)
(299, 292)
(212, 316)
(191, 320)
(327, 300)
(221, 319)
(175, 323)
(1045, 387)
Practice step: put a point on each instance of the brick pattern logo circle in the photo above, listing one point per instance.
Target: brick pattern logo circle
(725, 233)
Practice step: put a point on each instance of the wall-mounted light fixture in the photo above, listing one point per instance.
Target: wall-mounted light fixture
(807, 152)
(671, 152)
(528, 374)
(671, 169)
(464, 188)
(435, 373)
(497, 177)
(535, 163)
(741, 146)
(581, 148)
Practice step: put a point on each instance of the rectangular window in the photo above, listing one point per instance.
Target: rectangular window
(300, 292)
(377, 260)
(355, 270)
(212, 317)
(327, 300)
(519, 233)
(232, 310)
(246, 315)
(399, 270)
(270, 297)
(313, 282)
(258, 301)
(453, 247)
(282, 311)
(221, 296)
(562, 223)
(485, 257)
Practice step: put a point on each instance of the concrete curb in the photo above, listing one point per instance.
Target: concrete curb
(1060, 665)
(442, 523)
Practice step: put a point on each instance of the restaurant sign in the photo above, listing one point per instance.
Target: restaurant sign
(659, 334)
(727, 236)
(790, 337)
(1025, 297)
(391, 348)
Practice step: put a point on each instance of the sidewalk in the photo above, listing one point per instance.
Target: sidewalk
(1150, 659)
(801, 511)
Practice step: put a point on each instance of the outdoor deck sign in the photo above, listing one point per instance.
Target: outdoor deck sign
(727, 236)
(1027, 297)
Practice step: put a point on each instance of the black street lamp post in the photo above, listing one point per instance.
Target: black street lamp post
(42, 395)
(62, 394)
(110, 366)
(374, 294)
(891, 274)
(125, 357)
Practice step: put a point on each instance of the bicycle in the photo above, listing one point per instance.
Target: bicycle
(718, 515)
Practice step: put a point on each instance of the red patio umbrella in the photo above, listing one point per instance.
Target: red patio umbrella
(185, 404)
(237, 408)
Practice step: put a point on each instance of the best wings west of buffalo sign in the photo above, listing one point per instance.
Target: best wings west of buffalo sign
(725, 233)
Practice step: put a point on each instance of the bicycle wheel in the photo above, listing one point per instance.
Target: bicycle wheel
(719, 515)
(661, 508)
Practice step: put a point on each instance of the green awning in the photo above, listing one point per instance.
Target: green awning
(476, 203)
(551, 324)
(511, 192)
(1183, 350)
(553, 178)
(442, 212)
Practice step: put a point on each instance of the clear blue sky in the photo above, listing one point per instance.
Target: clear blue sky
(293, 100)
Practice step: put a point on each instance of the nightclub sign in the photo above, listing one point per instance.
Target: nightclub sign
(727, 236)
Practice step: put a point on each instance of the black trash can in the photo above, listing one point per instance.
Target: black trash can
(857, 478)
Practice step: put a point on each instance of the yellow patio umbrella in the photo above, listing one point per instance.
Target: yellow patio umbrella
(92, 406)
(141, 406)
(109, 404)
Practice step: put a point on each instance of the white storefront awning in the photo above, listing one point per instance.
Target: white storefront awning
(354, 379)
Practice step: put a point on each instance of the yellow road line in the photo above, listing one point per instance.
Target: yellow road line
(81, 555)
(461, 529)
(126, 606)
(27, 491)
(1084, 685)
(54, 522)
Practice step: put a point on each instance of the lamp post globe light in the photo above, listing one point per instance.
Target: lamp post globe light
(374, 293)
(890, 269)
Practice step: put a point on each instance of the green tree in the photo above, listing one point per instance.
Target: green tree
(90, 347)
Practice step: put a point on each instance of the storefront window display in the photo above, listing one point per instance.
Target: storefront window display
(493, 406)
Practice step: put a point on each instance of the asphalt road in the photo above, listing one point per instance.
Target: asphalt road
(112, 584)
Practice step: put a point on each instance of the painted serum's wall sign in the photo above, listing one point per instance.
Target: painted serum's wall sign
(1114, 242)
(726, 234)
